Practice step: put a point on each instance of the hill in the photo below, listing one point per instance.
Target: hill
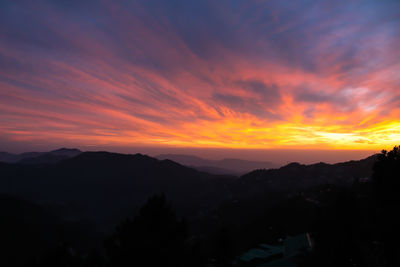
(39, 157)
(224, 166)
(105, 187)
(295, 176)
(89, 194)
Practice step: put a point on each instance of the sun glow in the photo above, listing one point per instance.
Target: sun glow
(155, 81)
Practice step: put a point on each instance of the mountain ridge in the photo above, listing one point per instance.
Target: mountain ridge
(224, 166)
(104, 187)
(52, 156)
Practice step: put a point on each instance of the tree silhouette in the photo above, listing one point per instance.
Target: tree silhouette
(154, 238)
(386, 175)
(386, 179)
(224, 247)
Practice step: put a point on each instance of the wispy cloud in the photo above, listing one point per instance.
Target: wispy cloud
(203, 73)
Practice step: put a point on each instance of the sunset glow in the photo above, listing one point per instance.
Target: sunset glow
(231, 74)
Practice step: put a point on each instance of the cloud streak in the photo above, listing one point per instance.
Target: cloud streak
(257, 74)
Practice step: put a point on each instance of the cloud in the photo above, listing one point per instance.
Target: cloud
(268, 94)
(203, 73)
(314, 97)
(253, 97)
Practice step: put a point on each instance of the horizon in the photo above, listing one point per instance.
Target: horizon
(201, 76)
(199, 133)
(280, 157)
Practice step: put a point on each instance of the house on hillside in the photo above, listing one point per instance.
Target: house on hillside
(277, 256)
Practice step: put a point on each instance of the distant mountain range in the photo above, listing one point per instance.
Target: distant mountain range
(295, 176)
(39, 157)
(220, 167)
(224, 166)
(105, 187)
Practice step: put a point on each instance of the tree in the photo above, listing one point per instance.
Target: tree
(386, 176)
(386, 180)
(154, 238)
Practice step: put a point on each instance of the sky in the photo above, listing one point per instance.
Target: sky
(250, 75)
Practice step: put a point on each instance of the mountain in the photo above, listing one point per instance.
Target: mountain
(28, 230)
(295, 176)
(39, 157)
(12, 158)
(105, 187)
(78, 201)
(262, 190)
(6, 157)
(224, 166)
(68, 152)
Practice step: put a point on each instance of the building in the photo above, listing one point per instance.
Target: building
(277, 256)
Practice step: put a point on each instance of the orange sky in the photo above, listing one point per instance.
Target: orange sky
(253, 75)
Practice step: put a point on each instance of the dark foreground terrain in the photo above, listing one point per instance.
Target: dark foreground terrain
(73, 208)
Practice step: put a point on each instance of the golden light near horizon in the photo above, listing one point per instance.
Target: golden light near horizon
(281, 77)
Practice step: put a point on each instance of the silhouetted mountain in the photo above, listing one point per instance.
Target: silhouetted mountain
(46, 158)
(39, 157)
(105, 186)
(12, 158)
(6, 157)
(296, 176)
(28, 230)
(224, 166)
(68, 152)
(215, 170)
